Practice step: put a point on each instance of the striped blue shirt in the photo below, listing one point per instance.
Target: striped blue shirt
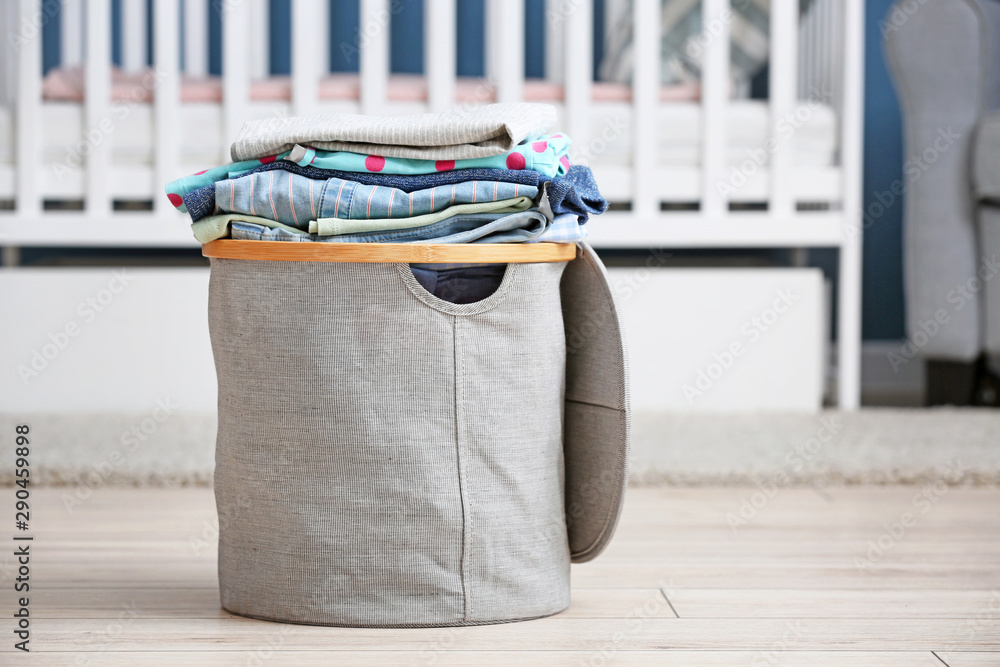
(295, 200)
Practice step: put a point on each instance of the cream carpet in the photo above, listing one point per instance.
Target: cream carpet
(873, 446)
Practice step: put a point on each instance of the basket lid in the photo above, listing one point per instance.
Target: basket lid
(597, 413)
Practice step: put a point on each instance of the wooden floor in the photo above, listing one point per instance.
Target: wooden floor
(128, 578)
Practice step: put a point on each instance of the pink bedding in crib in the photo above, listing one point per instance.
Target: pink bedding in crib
(67, 85)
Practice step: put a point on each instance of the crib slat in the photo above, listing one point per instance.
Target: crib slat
(645, 103)
(72, 33)
(260, 39)
(555, 33)
(439, 53)
(133, 36)
(505, 48)
(196, 37)
(166, 98)
(9, 14)
(782, 84)
(852, 165)
(715, 84)
(810, 55)
(309, 28)
(29, 102)
(834, 53)
(374, 46)
(235, 70)
(98, 122)
(579, 56)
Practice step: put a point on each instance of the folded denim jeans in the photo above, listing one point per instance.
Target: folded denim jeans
(295, 200)
(563, 228)
(336, 226)
(523, 227)
(201, 202)
(216, 227)
(576, 192)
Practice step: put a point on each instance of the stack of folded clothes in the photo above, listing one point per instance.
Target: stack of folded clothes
(488, 174)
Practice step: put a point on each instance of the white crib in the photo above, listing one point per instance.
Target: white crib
(679, 186)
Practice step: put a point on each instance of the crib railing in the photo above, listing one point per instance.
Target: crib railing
(822, 52)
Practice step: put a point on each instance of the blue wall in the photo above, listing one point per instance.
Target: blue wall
(883, 272)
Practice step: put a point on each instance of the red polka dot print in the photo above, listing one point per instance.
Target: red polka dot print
(540, 146)
(175, 199)
(564, 161)
(270, 158)
(516, 161)
(201, 172)
(374, 163)
(444, 165)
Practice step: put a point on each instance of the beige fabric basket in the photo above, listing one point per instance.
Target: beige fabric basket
(387, 458)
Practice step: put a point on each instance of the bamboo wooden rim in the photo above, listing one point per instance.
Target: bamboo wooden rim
(423, 253)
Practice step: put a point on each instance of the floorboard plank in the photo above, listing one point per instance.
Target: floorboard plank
(464, 658)
(970, 658)
(820, 603)
(203, 603)
(135, 633)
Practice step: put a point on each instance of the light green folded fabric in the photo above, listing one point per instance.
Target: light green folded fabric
(215, 227)
(338, 226)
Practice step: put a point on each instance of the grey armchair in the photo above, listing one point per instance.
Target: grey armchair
(944, 56)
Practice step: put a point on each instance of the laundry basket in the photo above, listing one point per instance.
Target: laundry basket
(389, 458)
